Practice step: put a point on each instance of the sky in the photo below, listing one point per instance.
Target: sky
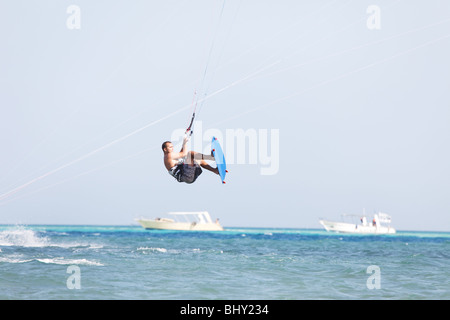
(322, 107)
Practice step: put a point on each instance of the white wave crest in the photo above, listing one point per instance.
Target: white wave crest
(22, 237)
(14, 260)
(152, 249)
(164, 250)
(63, 261)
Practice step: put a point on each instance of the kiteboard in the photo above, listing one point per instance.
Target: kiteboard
(219, 158)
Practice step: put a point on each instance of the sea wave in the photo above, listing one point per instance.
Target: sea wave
(164, 250)
(14, 260)
(22, 237)
(63, 261)
(58, 260)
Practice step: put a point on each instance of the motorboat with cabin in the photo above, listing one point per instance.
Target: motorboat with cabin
(380, 224)
(194, 221)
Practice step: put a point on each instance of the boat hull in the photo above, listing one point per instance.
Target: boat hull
(173, 225)
(343, 227)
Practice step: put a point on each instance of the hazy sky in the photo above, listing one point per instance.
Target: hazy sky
(341, 104)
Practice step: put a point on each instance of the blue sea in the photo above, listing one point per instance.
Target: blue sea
(128, 262)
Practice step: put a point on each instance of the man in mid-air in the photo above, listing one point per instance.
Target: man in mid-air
(185, 166)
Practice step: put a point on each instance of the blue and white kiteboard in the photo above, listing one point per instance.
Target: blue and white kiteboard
(219, 158)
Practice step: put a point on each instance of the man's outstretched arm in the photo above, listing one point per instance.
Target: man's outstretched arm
(183, 152)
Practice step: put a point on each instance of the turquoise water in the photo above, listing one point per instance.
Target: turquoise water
(128, 262)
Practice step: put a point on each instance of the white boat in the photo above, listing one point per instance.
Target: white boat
(195, 221)
(380, 224)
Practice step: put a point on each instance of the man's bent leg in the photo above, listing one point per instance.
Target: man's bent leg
(192, 155)
(200, 158)
(206, 166)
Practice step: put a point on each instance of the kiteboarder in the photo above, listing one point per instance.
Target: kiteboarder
(185, 166)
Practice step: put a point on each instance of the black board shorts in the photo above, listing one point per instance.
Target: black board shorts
(186, 173)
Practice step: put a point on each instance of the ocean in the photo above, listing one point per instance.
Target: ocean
(49, 262)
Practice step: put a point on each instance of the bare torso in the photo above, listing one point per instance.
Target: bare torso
(169, 162)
